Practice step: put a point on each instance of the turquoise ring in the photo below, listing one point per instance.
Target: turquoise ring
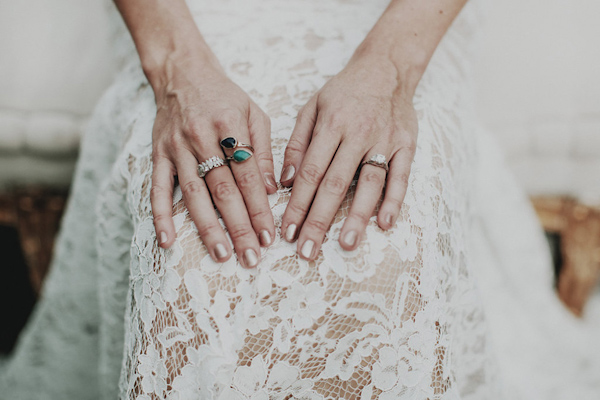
(236, 151)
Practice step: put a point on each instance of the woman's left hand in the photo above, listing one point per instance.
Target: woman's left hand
(364, 110)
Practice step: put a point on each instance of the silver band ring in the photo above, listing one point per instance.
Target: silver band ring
(206, 166)
(236, 151)
(378, 160)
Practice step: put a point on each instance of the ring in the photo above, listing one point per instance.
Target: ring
(377, 160)
(213, 162)
(241, 151)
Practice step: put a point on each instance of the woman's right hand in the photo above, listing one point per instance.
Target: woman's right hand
(197, 106)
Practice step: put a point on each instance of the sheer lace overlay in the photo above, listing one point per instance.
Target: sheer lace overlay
(386, 320)
(399, 318)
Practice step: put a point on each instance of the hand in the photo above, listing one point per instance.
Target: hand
(362, 111)
(197, 106)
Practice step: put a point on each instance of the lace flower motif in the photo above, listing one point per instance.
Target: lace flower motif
(359, 264)
(153, 371)
(155, 282)
(398, 372)
(250, 380)
(195, 381)
(303, 304)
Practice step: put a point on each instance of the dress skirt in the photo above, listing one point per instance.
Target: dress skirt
(454, 302)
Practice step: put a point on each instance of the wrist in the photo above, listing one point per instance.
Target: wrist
(162, 67)
(406, 66)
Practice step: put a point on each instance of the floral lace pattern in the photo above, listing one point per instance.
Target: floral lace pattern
(400, 317)
(379, 322)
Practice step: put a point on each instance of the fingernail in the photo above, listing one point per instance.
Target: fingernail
(290, 232)
(350, 238)
(163, 238)
(288, 173)
(307, 248)
(220, 251)
(270, 180)
(250, 258)
(388, 219)
(265, 238)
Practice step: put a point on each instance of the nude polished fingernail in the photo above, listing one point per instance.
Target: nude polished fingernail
(288, 173)
(270, 180)
(220, 251)
(163, 238)
(350, 238)
(290, 232)
(388, 219)
(250, 258)
(265, 238)
(307, 248)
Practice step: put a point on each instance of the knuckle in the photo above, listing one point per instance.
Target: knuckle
(197, 125)
(239, 231)
(365, 124)
(157, 191)
(294, 148)
(247, 179)
(260, 214)
(335, 185)
(224, 191)
(266, 120)
(158, 154)
(160, 218)
(174, 142)
(264, 156)
(335, 119)
(394, 202)
(191, 188)
(297, 208)
(401, 179)
(409, 145)
(208, 229)
(317, 224)
(373, 177)
(226, 120)
(361, 216)
(305, 115)
(386, 134)
(311, 173)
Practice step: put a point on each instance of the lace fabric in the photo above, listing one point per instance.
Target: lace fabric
(401, 317)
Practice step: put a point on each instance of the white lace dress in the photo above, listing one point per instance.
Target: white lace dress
(455, 302)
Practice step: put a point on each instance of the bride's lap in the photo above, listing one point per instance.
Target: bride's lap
(383, 319)
(333, 327)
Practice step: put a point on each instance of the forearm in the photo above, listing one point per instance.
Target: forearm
(166, 37)
(408, 33)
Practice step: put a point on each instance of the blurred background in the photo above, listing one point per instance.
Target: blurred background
(538, 91)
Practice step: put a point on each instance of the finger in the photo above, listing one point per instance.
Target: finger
(230, 203)
(250, 182)
(330, 194)
(310, 173)
(259, 127)
(299, 141)
(397, 182)
(199, 204)
(368, 192)
(161, 200)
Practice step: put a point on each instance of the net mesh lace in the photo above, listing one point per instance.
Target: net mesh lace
(395, 317)
(400, 317)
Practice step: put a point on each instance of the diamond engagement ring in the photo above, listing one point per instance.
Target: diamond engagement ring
(213, 162)
(235, 151)
(377, 160)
